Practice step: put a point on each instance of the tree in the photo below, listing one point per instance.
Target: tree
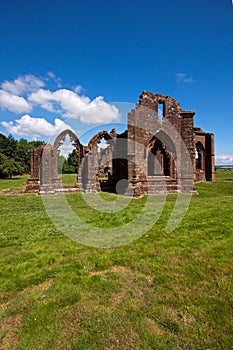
(11, 147)
(35, 144)
(73, 161)
(19, 151)
(61, 161)
(3, 143)
(67, 165)
(23, 154)
(9, 167)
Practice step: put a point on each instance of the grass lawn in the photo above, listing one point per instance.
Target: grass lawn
(69, 179)
(17, 183)
(163, 291)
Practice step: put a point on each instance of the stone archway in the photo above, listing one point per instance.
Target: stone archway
(98, 137)
(75, 141)
(79, 149)
(161, 167)
(88, 176)
(158, 159)
(61, 137)
(44, 164)
(161, 156)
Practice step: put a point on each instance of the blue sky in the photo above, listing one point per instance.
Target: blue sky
(61, 57)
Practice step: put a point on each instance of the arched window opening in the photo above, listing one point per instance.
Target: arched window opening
(161, 110)
(200, 157)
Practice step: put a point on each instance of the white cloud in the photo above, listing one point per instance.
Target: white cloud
(34, 127)
(53, 77)
(78, 89)
(13, 102)
(43, 98)
(66, 148)
(98, 111)
(28, 91)
(72, 105)
(23, 84)
(224, 159)
(184, 78)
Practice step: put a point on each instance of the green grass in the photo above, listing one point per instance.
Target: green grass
(17, 183)
(163, 291)
(69, 179)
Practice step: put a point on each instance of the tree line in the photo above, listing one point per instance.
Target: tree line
(15, 157)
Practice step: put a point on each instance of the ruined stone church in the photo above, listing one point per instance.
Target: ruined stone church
(160, 152)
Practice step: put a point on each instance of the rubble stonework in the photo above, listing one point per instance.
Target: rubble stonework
(160, 152)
